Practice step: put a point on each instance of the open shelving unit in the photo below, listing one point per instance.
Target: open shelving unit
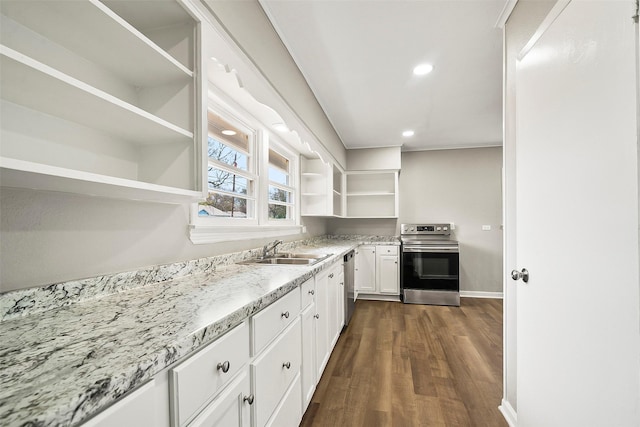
(321, 188)
(95, 100)
(372, 194)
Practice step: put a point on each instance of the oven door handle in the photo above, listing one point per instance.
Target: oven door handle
(429, 249)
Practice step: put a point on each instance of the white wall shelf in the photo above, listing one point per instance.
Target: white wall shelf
(95, 32)
(97, 99)
(321, 188)
(37, 86)
(372, 194)
(21, 174)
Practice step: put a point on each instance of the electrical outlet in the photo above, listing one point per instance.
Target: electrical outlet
(486, 228)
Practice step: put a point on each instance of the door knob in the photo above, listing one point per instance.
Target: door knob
(524, 275)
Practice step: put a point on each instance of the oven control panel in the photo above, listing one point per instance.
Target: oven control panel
(439, 229)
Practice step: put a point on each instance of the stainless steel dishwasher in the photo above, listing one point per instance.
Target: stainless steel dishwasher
(349, 289)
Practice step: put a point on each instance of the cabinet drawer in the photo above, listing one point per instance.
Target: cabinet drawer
(308, 290)
(270, 321)
(274, 371)
(197, 380)
(387, 250)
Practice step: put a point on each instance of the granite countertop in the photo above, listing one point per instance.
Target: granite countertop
(61, 366)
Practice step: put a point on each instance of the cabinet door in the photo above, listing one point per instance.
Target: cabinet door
(365, 269)
(333, 294)
(138, 408)
(322, 317)
(230, 409)
(340, 300)
(388, 279)
(308, 369)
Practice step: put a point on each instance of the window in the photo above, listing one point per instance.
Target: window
(280, 201)
(230, 178)
(252, 183)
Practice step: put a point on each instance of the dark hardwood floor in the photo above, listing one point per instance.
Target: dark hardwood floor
(414, 365)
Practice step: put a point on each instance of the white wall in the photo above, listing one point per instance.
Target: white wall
(48, 237)
(374, 158)
(250, 28)
(463, 187)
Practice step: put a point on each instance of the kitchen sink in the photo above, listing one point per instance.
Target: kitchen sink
(289, 259)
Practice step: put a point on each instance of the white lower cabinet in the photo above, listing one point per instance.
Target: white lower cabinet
(288, 413)
(273, 371)
(195, 382)
(231, 408)
(139, 408)
(377, 272)
(365, 269)
(308, 325)
(261, 373)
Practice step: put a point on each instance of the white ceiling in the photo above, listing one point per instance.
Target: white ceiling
(358, 57)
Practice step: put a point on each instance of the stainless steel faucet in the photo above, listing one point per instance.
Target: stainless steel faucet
(273, 246)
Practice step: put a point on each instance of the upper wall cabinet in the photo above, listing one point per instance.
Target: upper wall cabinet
(321, 188)
(102, 98)
(372, 194)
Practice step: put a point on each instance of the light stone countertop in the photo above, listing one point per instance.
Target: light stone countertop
(61, 366)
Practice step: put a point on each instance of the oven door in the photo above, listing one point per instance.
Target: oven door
(430, 268)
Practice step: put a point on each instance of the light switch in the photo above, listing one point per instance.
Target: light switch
(486, 228)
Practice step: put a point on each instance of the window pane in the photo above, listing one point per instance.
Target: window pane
(279, 195)
(219, 128)
(278, 176)
(279, 212)
(278, 160)
(221, 206)
(218, 150)
(227, 181)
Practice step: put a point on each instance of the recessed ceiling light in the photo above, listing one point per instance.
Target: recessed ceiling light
(280, 127)
(422, 69)
(229, 132)
(408, 133)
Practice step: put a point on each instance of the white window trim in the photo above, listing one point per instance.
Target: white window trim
(209, 230)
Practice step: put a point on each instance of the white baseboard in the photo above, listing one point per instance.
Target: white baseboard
(508, 413)
(378, 297)
(481, 294)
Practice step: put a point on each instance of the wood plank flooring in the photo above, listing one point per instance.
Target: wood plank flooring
(414, 365)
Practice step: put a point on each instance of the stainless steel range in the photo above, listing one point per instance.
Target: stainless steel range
(430, 265)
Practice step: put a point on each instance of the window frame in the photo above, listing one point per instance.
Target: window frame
(252, 173)
(275, 144)
(203, 230)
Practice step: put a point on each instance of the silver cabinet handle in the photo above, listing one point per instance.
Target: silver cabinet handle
(312, 292)
(287, 365)
(331, 276)
(248, 399)
(285, 315)
(224, 366)
(317, 316)
(524, 275)
(342, 283)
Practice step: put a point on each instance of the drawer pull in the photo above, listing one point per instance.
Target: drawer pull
(287, 365)
(224, 366)
(317, 316)
(248, 399)
(312, 292)
(285, 314)
(331, 276)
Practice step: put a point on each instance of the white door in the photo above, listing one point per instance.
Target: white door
(365, 269)
(578, 350)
